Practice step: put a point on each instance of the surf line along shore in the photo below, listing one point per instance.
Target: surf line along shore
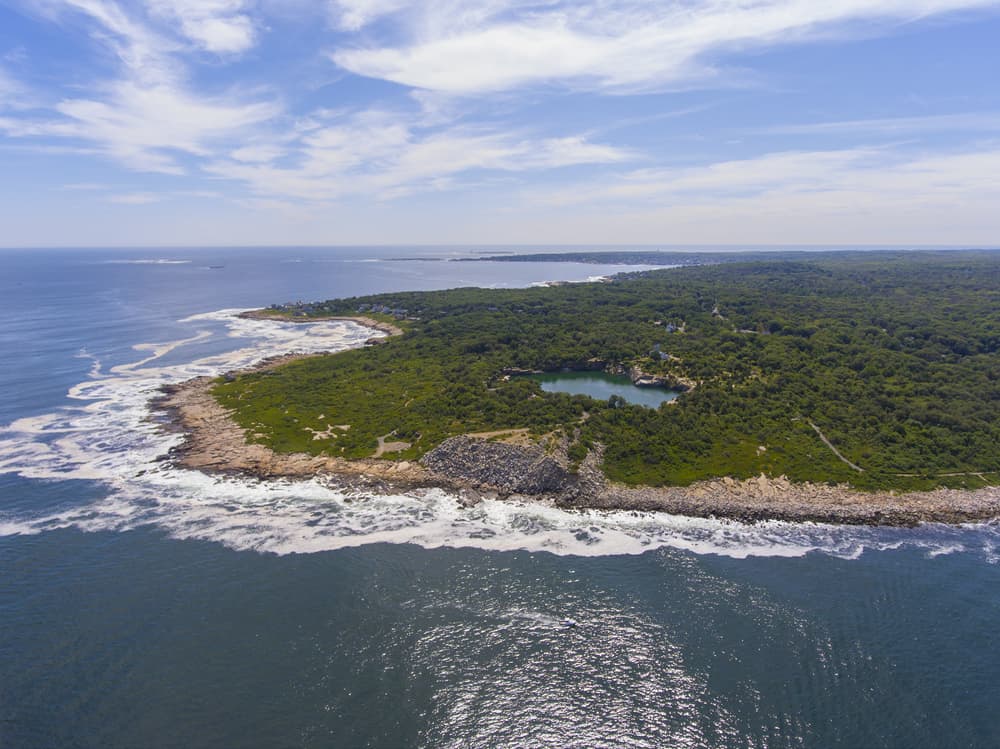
(474, 468)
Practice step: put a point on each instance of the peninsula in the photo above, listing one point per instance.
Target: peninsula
(851, 388)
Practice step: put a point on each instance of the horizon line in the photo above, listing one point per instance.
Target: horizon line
(797, 246)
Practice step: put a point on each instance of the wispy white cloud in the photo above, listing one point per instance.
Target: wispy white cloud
(49, 149)
(219, 26)
(141, 126)
(851, 196)
(149, 114)
(794, 171)
(785, 187)
(379, 154)
(482, 46)
(258, 154)
(142, 51)
(135, 198)
(985, 122)
(138, 197)
(144, 127)
(85, 186)
(8, 87)
(144, 31)
(14, 94)
(206, 194)
(151, 119)
(353, 15)
(467, 120)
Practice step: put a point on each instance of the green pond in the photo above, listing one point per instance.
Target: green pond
(601, 386)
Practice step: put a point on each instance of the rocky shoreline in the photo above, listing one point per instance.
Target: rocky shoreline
(474, 468)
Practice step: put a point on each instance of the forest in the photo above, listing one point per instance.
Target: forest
(874, 369)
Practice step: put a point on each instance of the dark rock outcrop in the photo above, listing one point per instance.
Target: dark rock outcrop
(509, 469)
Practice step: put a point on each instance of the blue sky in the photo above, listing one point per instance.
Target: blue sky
(233, 122)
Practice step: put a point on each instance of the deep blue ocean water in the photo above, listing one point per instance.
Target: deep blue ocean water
(143, 606)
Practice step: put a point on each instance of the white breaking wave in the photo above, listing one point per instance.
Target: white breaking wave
(107, 436)
(146, 261)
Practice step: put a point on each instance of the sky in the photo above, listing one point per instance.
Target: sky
(346, 122)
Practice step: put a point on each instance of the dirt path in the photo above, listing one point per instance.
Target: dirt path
(836, 452)
(389, 447)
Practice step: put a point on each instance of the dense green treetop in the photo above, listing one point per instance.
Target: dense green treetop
(892, 356)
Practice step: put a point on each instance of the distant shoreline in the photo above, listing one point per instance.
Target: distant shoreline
(476, 468)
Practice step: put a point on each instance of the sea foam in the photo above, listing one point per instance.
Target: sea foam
(107, 436)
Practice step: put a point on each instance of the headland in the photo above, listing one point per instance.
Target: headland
(823, 391)
(474, 467)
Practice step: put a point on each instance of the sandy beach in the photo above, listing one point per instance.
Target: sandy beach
(368, 322)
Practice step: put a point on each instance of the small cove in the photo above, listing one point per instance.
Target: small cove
(601, 386)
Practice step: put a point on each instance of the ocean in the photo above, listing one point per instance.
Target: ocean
(146, 606)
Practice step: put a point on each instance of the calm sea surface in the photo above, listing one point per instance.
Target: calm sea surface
(144, 606)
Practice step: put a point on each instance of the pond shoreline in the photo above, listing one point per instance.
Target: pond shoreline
(602, 385)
